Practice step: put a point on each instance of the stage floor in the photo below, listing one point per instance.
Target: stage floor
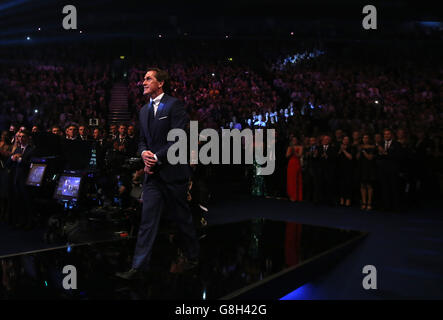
(405, 247)
(232, 257)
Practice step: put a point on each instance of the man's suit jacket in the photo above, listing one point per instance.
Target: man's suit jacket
(154, 130)
(390, 161)
(127, 143)
(329, 161)
(19, 170)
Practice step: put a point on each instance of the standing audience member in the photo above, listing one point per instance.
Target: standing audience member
(367, 172)
(5, 153)
(345, 170)
(312, 190)
(327, 166)
(294, 172)
(83, 133)
(19, 163)
(421, 166)
(389, 154)
(72, 132)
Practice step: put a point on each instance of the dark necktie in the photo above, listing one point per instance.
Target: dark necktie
(151, 116)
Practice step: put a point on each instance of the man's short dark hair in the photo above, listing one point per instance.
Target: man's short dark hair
(161, 75)
(25, 132)
(72, 125)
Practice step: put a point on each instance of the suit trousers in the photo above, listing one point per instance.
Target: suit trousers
(157, 196)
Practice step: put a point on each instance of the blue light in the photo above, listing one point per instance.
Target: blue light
(69, 249)
(11, 4)
(28, 38)
(46, 284)
(302, 293)
(431, 24)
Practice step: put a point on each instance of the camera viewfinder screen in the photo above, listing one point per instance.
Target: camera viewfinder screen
(68, 187)
(36, 173)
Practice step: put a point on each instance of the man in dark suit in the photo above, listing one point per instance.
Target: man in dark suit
(83, 133)
(123, 144)
(19, 165)
(72, 132)
(327, 156)
(311, 178)
(389, 155)
(164, 184)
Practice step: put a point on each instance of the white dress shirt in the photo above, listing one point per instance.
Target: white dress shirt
(156, 102)
(387, 144)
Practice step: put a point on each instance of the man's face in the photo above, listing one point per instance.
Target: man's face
(122, 130)
(355, 135)
(151, 84)
(34, 129)
(22, 138)
(113, 129)
(55, 130)
(339, 134)
(131, 130)
(96, 134)
(387, 135)
(312, 141)
(72, 132)
(365, 139)
(326, 140)
(378, 138)
(82, 130)
(400, 134)
(12, 129)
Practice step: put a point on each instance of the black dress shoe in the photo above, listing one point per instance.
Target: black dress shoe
(132, 274)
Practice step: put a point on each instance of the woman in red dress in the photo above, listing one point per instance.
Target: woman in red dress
(294, 172)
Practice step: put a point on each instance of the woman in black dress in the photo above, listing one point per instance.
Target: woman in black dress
(366, 157)
(345, 171)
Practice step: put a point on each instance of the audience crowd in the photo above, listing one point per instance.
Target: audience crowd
(350, 130)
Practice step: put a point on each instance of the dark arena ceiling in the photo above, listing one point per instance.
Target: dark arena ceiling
(106, 18)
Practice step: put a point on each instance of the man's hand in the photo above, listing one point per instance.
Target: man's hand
(148, 158)
(147, 170)
(381, 150)
(15, 157)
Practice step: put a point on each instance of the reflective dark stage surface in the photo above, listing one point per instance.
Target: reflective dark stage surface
(233, 256)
